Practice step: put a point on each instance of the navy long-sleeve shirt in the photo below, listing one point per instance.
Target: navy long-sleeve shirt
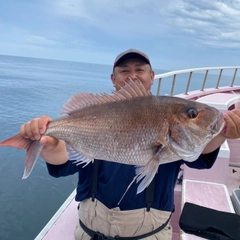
(114, 178)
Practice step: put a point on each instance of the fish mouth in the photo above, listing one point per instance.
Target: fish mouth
(217, 125)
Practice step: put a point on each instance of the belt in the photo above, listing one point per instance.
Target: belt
(99, 236)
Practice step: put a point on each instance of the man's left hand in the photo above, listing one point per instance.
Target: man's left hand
(232, 126)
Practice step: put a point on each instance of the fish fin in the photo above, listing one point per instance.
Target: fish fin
(82, 100)
(17, 141)
(77, 158)
(146, 173)
(33, 150)
(131, 89)
(79, 101)
(31, 158)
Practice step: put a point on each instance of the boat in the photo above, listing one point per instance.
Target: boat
(218, 187)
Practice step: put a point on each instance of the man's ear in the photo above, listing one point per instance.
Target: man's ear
(152, 77)
(113, 79)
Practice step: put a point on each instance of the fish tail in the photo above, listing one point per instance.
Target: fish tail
(33, 150)
(17, 141)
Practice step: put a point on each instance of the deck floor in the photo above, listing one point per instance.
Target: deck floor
(58, 227)
(234, 150)
(233, 180)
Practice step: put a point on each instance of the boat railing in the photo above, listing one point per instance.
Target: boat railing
(190, 72)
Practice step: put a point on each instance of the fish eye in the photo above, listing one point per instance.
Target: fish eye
(192, 113)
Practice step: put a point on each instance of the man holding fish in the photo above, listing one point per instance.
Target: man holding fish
(189, 132)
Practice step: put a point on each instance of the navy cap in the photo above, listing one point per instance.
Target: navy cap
(131, 53)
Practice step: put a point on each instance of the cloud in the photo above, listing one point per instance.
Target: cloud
(113, 17)
(73, 8)
(214, 23)
(174, 33)
(39, 40)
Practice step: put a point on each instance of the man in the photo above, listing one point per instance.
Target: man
(101, 185)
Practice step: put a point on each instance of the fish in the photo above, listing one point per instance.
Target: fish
(129, 126)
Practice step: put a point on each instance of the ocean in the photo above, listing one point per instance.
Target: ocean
(30, 88)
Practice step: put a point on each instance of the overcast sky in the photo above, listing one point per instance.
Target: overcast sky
(175, 34)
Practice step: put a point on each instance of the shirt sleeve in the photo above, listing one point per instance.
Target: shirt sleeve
(205, 161)
(62, 170)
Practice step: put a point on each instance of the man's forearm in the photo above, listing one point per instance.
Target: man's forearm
(56, 156)
(214, 143)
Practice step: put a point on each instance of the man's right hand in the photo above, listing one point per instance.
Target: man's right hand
(54, 150)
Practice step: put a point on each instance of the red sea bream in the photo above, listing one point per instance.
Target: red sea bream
(130, 126)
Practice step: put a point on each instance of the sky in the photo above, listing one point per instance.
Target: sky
(175, 34)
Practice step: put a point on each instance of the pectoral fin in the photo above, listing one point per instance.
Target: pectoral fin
(77, 158)
(146, 173)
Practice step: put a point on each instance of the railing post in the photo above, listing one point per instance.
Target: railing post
(173, 84)
(219, 78)
(204, 81)
(234, 76)
(159, 86)
(189, 81)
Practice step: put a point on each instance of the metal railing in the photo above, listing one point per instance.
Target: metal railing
(174, 75)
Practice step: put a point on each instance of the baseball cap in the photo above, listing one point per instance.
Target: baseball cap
(131, 53)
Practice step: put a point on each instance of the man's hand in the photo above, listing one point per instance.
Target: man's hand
(35, 128)
(54, 150)
(232, 126)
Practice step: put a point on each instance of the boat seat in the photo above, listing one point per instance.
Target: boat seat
(221, 101)
(206, 194)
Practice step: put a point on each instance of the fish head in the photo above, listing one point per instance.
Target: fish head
(193, 125)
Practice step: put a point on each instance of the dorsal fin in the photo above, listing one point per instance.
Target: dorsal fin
(79, 101)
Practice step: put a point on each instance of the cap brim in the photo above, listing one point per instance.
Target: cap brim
(131, 55)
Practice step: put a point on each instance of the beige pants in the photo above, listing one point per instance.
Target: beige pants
(113, 222)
